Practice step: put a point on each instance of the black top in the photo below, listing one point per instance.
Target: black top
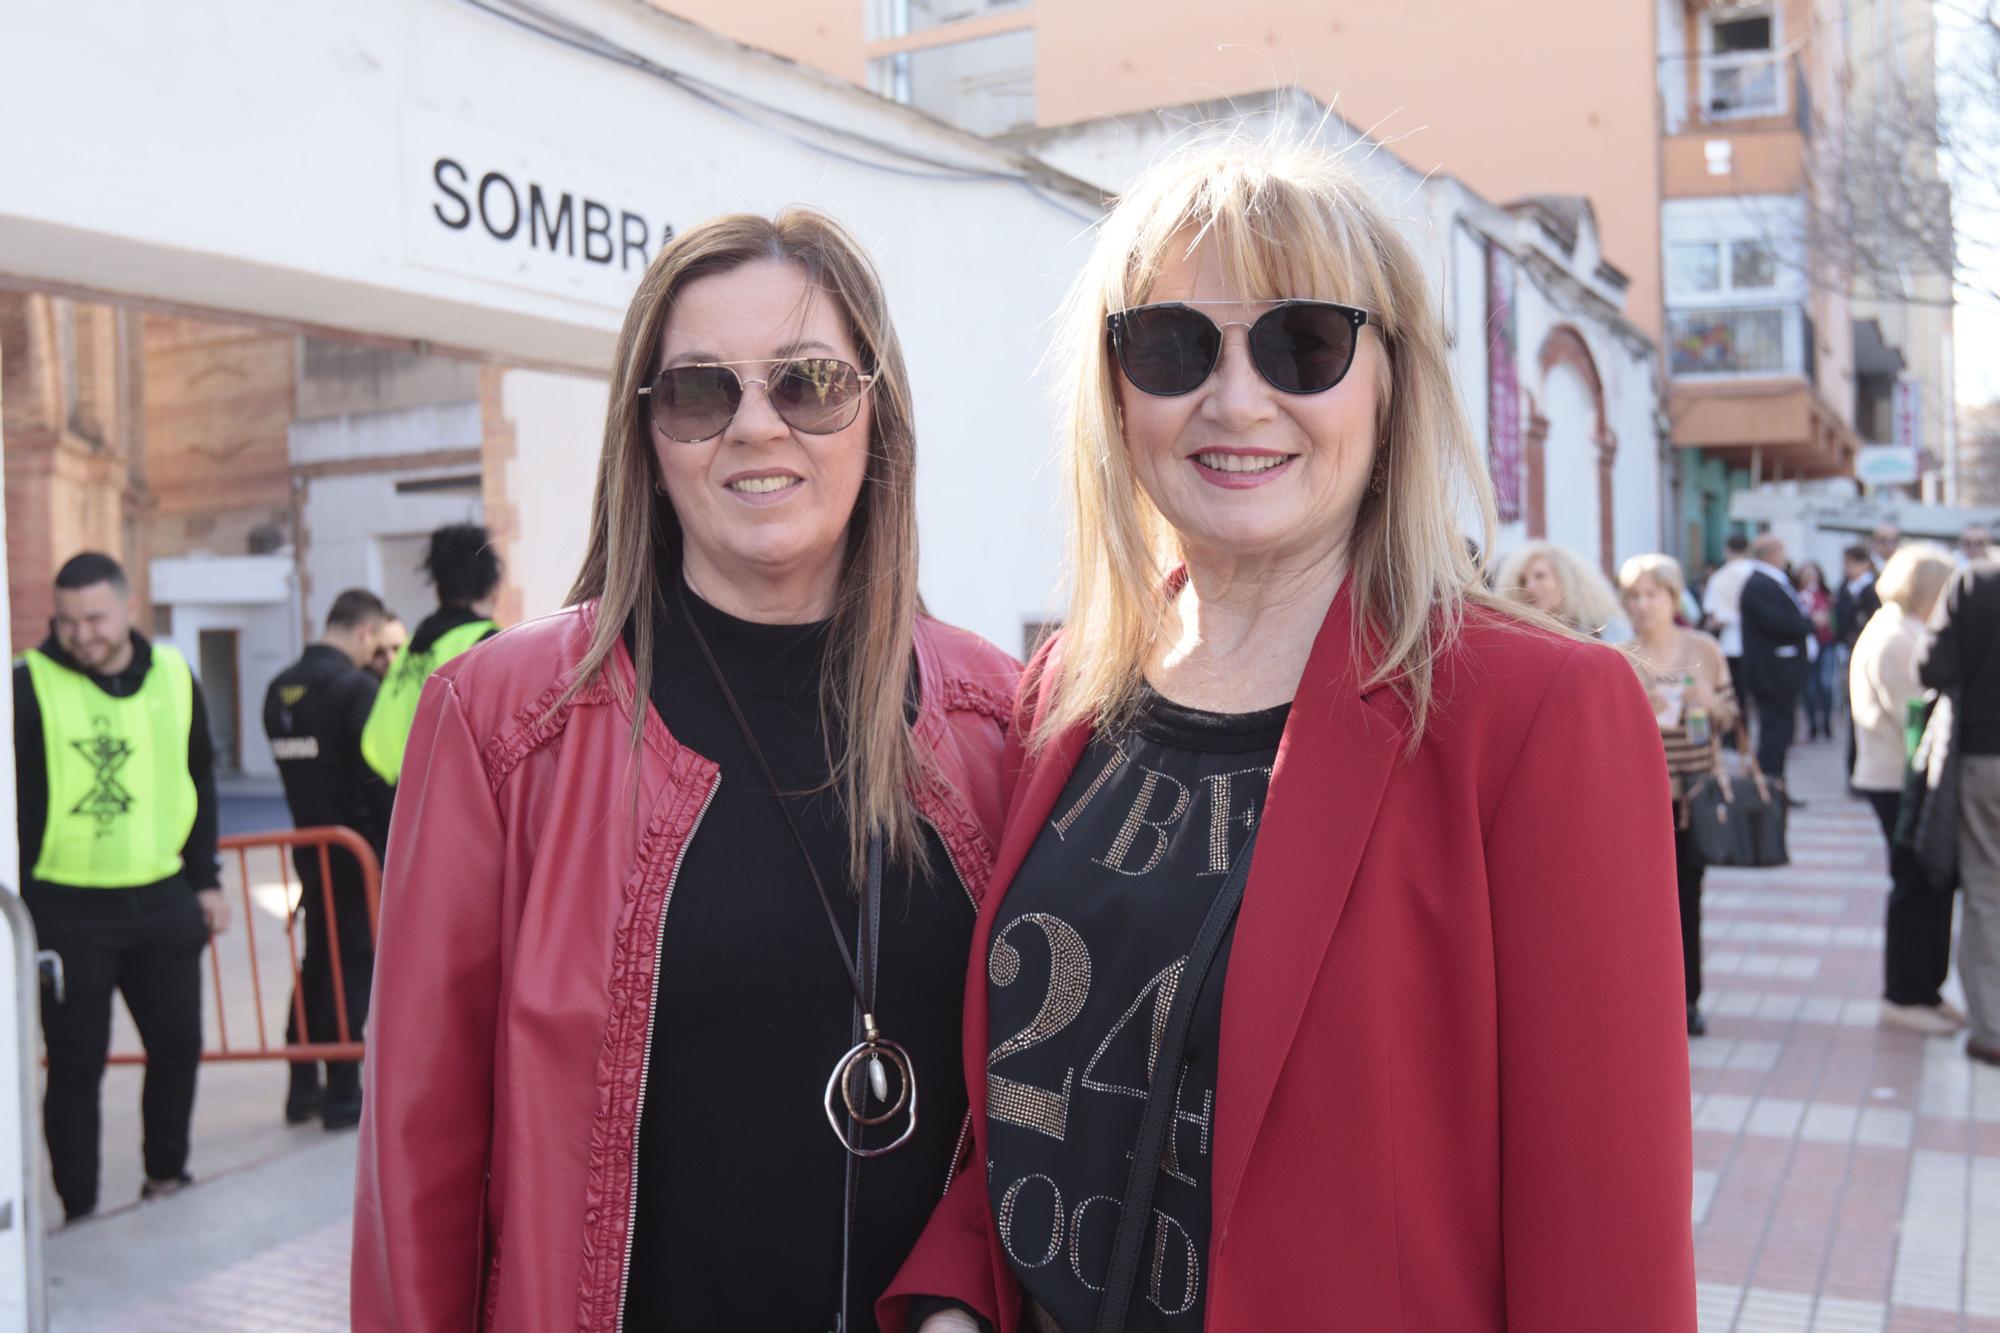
(440, 623)
(199, 866)
(741, 1181)
(314, 713)
(1085, 956)
(1965, 654)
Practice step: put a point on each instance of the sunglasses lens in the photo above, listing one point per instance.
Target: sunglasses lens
(1167, 351)
(1303, 348)
(817, 395)
(692, 403)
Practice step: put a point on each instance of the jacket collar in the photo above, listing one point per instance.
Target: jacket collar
(1335, 756)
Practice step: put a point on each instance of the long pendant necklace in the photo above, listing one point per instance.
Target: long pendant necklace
(860, 1084)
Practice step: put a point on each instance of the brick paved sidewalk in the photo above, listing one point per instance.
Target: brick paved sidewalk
(1847, 1178)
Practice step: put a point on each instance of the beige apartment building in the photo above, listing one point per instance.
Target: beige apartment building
(1698, 130)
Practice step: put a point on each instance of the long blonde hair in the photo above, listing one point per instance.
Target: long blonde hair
(1588, 602)
(634, 531)
(1287, 219)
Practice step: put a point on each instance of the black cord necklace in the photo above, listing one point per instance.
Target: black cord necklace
(869, 1063)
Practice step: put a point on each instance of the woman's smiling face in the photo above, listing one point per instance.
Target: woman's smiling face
(1238, 467)
(760, 501)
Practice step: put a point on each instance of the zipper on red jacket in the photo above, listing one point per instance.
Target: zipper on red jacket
(646, 1066)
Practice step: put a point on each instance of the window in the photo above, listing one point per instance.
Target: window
(1752, 265)
(1693, 267)
(1741, 63)
(985, 85)
(1729, 342)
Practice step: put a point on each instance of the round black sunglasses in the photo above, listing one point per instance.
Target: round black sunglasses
(1298, 346)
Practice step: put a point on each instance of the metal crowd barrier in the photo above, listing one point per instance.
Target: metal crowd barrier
(324, 839)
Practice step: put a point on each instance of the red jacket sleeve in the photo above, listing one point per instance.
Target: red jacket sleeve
(952, 1258)
(427, 1123)
(1596, 1148)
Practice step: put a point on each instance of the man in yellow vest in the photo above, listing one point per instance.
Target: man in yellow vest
(463, 567)
(115, 782)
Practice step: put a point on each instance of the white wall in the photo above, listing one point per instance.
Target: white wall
(290, 168)
(346, 519)
(558, 423)
(254, 595)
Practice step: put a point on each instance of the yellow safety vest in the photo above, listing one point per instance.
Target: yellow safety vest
(387, 730)
(121, 800)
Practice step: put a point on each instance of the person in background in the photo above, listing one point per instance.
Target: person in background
(1818, 605)
(1975, 543)
(1687, 682)
(1776, 660)
(1852, 606)
(465, 570)
(1883, 543)
(114, 779)
(390, 637)
(1963, 654)
(1558, 584)
(1916, 946)
(314, 713)
(1721, 605)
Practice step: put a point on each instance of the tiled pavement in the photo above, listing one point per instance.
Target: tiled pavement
(1847, 1178)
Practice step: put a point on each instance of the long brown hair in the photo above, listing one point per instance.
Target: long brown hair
(634, 530)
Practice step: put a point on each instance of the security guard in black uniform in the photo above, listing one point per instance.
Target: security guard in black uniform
(115, 792)
(314, 713)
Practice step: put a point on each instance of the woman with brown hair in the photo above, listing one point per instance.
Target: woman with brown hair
(1416, 1064)
(1547, 577)
(589, 1111)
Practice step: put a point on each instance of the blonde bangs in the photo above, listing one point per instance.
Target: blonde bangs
(1285, 219)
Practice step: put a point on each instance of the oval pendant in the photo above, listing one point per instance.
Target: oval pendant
(862, 1075)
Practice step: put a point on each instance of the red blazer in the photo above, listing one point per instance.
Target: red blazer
(1453, 1092)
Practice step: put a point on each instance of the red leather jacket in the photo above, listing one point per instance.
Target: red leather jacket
(1453, 1094)
(529, 868)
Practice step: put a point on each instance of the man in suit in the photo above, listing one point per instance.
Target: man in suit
(1775, 664)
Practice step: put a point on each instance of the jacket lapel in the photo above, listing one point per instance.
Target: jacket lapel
(1333, 765)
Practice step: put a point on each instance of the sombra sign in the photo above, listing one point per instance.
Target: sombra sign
(525, 214)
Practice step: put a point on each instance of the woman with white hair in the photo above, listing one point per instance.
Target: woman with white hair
(1687, 681)
(1417, 1064)
(1882, 684)
(1553, 581)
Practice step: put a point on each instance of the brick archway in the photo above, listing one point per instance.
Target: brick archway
(1565, 346)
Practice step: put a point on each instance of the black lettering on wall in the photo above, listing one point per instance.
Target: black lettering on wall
(628, 224)
(540, 224)
(486, 182)
(438, 170)
(596, 227)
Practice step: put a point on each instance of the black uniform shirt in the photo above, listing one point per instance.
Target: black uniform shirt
(31, 775)
(314, 713)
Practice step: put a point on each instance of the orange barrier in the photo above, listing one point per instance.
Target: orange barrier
(325, 838)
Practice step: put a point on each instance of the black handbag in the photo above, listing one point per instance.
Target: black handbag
(1738, 820)
(1927, 822)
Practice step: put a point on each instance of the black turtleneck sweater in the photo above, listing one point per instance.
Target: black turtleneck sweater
(31, 775)
(739, 1222)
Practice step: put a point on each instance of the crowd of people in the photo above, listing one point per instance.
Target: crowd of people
(116, 805)
(1275, 971)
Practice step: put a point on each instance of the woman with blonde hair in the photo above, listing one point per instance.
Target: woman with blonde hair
(670, 861)
(1686, 679)
(1556, 583)
(1882, 684)
(1417, 1064)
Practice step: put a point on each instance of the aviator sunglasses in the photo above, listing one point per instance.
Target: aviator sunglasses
(1298, 346)
(816, 394)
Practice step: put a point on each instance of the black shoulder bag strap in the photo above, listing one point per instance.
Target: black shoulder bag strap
(1151, 1143)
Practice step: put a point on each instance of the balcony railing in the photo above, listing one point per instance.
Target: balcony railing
(1737, 342)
